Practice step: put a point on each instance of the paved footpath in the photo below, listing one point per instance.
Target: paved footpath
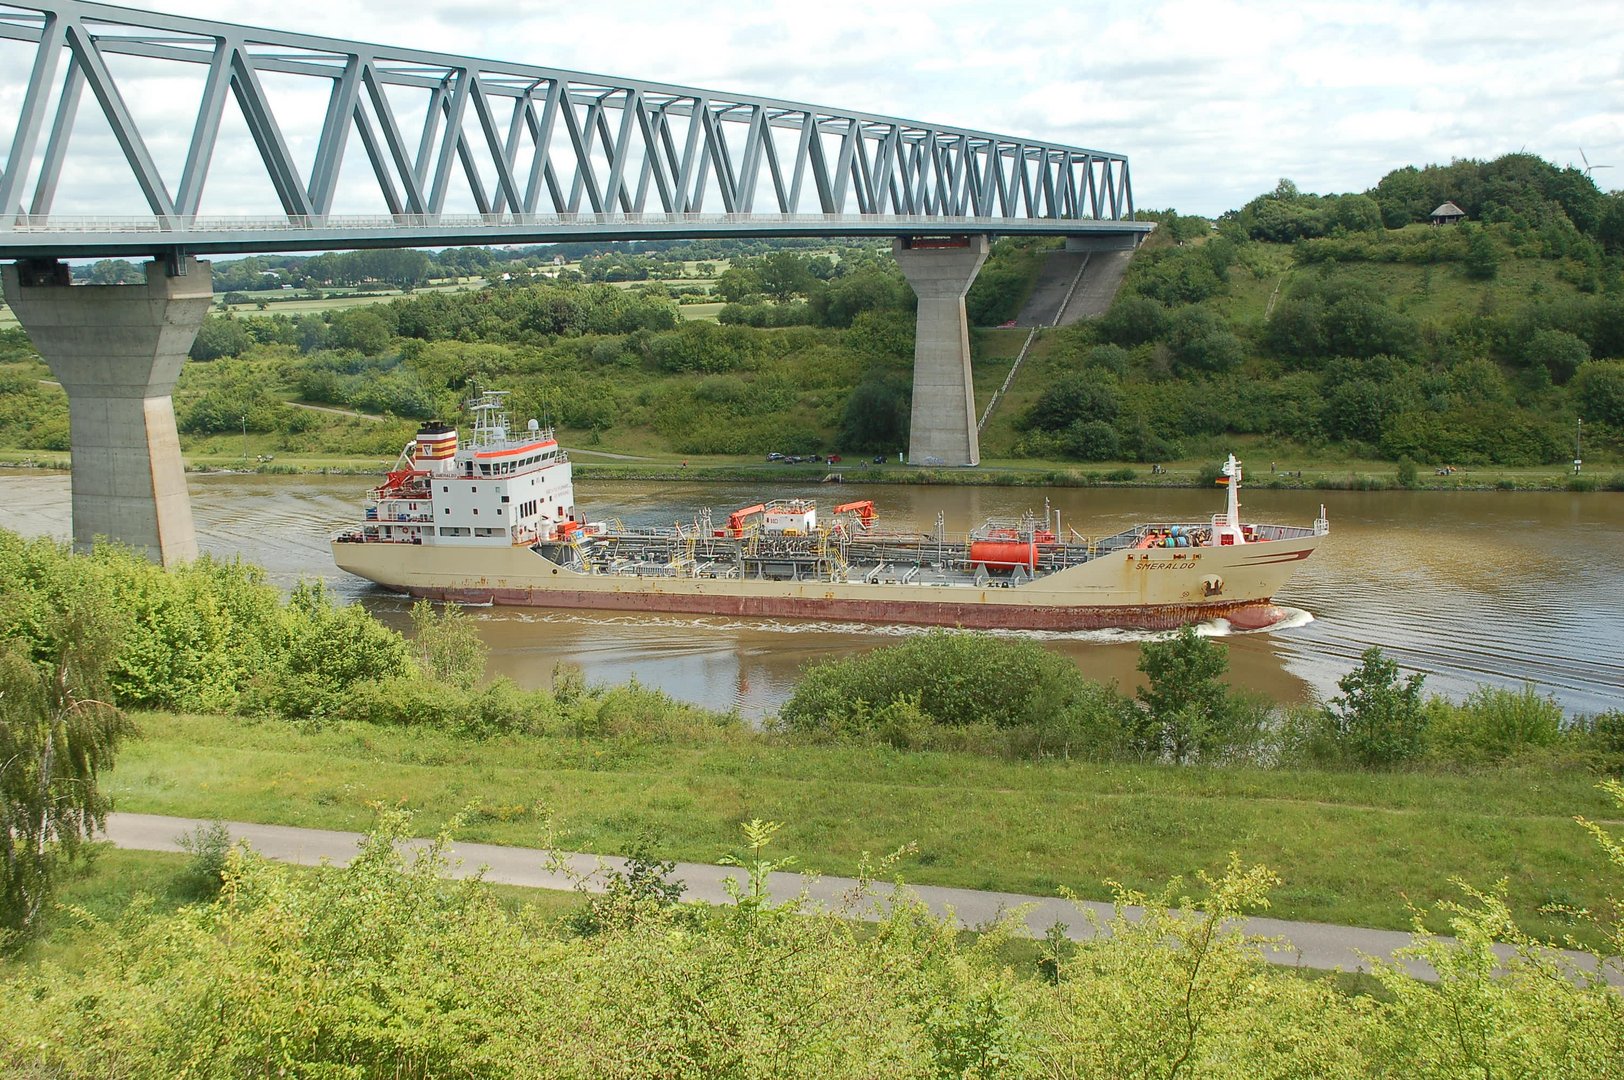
(1302, 944)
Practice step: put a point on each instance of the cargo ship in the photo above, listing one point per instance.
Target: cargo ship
(493, 520)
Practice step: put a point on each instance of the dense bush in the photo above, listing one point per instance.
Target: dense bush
(206, 636)
(1493, 724)
(905, 693)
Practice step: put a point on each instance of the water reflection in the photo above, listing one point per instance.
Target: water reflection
(1469, 588)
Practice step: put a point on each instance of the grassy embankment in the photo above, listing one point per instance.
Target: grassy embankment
(1352, 848)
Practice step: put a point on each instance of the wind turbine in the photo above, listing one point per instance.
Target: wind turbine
(1589, 168)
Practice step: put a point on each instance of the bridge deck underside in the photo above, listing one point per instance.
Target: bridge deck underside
(65, 239)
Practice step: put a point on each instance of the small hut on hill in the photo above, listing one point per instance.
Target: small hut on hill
(1448, 214)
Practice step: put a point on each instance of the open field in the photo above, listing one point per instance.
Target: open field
(1352, 848)
(699, 312)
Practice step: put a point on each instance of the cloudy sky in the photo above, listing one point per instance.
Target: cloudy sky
(1212, 101)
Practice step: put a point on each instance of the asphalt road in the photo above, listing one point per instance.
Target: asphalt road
(1301, 944)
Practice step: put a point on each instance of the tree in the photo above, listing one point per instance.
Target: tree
(1482, 262)
(1199, 340)
(1377, 718)
(220, 335)
(1598, 390)
(361, 329)
(116, 272)
(1186, 706)
(448, 645)
(1090, 394)
(59, 731)
(864, 289)
(1558, 351)
(737, 282)
(784, 274)
(877, 413)
(1133, 320)
(1091, 440)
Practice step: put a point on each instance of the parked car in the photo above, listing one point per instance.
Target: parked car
(775, 457)
(833, 459)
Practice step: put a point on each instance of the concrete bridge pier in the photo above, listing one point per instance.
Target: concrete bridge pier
(117, 350)
(940, 269)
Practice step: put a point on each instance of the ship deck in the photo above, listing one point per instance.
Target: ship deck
(870, 557)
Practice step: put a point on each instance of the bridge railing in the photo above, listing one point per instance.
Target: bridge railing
(515, 142)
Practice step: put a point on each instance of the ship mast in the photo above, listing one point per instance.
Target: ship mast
(1229, 531)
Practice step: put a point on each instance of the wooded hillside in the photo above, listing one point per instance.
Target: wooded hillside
(1338, 327)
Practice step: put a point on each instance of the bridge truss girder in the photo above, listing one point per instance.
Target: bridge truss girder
(526, 143)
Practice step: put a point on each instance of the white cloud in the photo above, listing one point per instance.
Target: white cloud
(1212, 100)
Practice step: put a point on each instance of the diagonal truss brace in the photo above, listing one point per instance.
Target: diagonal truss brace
(519, 139)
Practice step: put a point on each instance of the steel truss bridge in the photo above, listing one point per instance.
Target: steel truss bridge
(457, 150)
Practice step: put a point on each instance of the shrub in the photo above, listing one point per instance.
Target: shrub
(1186, 712)
(447, 644)
(1493, 724)
(906, 694)
(322, 653)
(209, 847)
(1378, 719)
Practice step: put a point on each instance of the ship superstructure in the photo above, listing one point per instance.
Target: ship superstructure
(495, 521)
(497, 491)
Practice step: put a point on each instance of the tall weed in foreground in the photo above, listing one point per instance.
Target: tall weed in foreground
(1528, 1014)
(1172, 986)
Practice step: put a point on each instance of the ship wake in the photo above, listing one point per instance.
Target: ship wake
(1294, 617)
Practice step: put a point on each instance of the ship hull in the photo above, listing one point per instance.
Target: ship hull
(1131, 589)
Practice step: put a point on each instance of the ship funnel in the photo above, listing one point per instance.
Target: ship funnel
(434, 443)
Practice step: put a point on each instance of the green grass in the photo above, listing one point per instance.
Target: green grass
(1352, 848)
(700, 312)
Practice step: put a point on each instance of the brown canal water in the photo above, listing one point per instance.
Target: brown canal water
(1470, 588)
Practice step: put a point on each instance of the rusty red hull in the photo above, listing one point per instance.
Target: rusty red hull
(1246, 614)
